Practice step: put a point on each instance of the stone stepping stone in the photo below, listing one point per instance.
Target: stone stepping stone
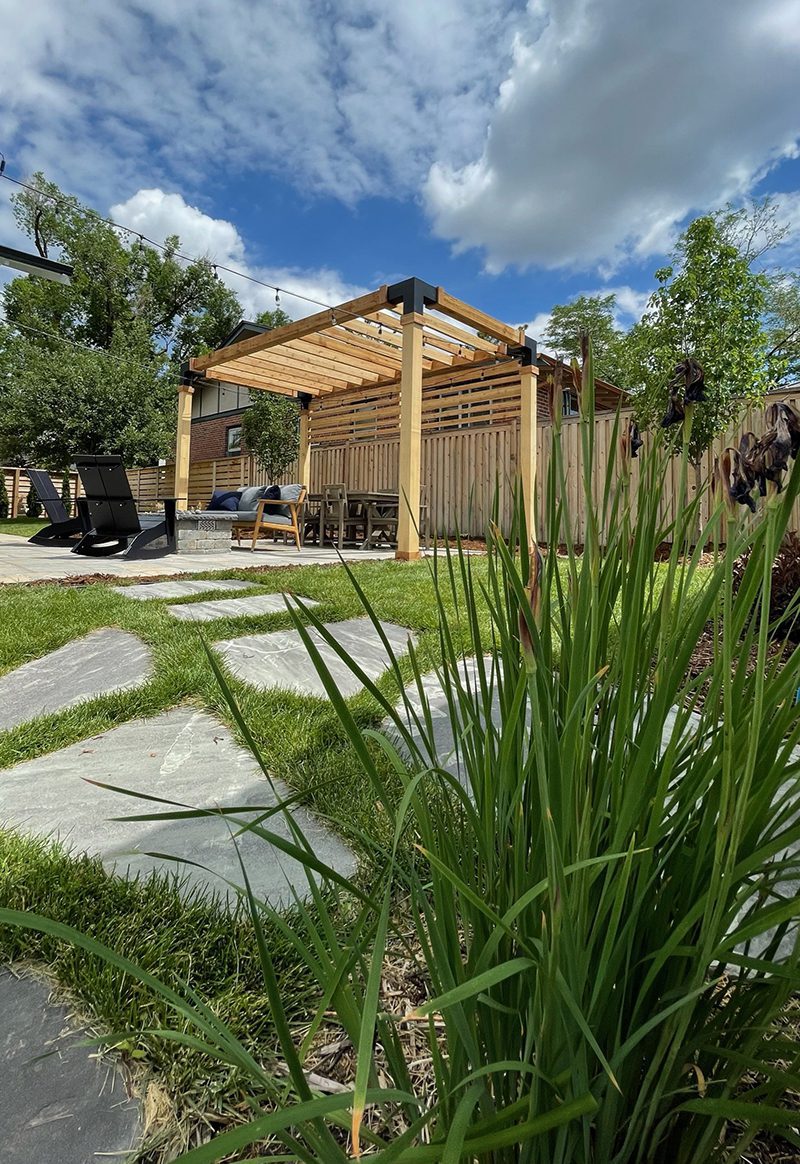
(58, 1101)
(102, 662)
(180, 588)
(255, 604)
(182, 755)
(280, 659)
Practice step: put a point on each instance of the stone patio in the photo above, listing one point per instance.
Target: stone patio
(184, 755)
(102, 662)
(21, 562)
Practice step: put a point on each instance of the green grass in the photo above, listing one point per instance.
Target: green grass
(304, 744)
(21, 527)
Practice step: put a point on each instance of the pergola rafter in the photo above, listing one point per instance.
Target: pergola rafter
(394, 338)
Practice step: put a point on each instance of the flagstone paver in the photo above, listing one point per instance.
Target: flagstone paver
(280, 659)
(445, 751)
(254, 605)
(183, 755)
(59, 1102)
(181, 588)
(100, 663)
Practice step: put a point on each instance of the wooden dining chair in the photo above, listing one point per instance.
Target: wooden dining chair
(338, 516)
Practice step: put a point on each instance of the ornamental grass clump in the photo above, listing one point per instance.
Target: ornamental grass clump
(600, 881)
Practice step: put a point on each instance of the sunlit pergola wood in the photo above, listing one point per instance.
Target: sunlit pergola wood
(183, 444)
(383, 347)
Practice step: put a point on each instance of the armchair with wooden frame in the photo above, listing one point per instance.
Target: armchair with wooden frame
(269, 519)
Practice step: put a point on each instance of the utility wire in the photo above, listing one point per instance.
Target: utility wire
(129, 230)
(62, 339)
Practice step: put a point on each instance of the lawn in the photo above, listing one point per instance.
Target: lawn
(21, 527)
(303, 743)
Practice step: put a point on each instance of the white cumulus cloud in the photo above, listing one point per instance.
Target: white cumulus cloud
(616, 120)
(157, 214)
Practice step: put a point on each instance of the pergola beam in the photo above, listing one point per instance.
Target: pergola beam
(362, 305)
(225, 376)
(464, 313)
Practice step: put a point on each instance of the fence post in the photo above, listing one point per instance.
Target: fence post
(15, 492)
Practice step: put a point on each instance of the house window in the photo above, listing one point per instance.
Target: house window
(233, 441)
(567, 406)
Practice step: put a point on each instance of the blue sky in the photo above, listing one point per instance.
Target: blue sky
(516, 153)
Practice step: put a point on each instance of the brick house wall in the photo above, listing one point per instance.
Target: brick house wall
(209, 439)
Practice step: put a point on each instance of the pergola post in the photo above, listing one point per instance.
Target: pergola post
(304, 454)
(528, 417)
(410, 466)
(183, 445)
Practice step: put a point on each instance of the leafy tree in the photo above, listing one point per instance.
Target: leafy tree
(104, 353)
(783, 325)
(275, 318)
(709, 306)
(5, 503)
(271, 431)
(593, 314)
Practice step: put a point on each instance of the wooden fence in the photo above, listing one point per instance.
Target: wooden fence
(462, 471)
(18, 487)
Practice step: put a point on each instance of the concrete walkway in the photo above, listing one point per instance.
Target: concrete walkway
(60, 1103)
(21, 562)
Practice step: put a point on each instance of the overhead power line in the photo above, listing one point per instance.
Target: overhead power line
(132, 231)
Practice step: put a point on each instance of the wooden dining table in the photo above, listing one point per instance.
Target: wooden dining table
(384, 503)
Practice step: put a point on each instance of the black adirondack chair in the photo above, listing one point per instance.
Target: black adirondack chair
(62, 528)
(115, 525)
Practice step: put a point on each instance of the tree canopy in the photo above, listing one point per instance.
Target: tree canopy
(593, 314)
(717, 303)
(93, 366)
(709, 306)
(271, 431)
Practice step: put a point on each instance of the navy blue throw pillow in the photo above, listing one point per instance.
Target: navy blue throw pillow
(224, 499)
(273, 493)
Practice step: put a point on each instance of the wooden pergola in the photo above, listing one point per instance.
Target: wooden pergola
(396, 339)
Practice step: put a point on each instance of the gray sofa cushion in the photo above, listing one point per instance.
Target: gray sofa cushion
(250, 497)
(291, 492)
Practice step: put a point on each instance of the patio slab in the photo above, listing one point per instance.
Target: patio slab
(280, 659)
(252, 606)
(180, 588)
(102, 662)
(21, 562)
(59, 1102)
(184, 755)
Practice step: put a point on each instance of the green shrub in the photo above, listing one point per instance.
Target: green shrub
(33, 506)
(598, 904)
(66, 492)
(5, 504)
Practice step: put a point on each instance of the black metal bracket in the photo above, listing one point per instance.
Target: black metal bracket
(525, 352)
(188, 376)
(414, 294)
(305, 399)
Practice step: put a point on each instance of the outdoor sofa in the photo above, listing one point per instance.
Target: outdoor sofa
(259, 510)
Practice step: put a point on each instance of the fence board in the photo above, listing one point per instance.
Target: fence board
(461, 468)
